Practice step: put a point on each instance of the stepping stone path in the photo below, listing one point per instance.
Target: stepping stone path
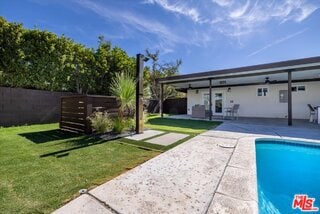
(146, 134)
(167, 139)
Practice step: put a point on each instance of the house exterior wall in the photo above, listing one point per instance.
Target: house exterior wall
(268, 106)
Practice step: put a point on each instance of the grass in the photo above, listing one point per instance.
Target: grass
(45, 167)
(180, 125)
(184, 126)
(33, 181)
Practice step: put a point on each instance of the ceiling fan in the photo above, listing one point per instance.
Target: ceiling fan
(268, 81)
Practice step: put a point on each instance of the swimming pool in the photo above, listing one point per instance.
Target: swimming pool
(286, 168)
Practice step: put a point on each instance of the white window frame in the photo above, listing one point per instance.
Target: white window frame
(297, 88)
(262, 95)
(301, 90)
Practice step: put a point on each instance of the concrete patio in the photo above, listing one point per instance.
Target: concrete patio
(298, 123)
(214, 172)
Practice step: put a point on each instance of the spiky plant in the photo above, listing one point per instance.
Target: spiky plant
(124, 88)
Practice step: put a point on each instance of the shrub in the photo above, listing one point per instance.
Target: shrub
(118, 125)
(145, 117)
(101, 122)
(130, 124)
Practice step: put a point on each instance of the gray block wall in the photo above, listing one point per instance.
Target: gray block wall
(20, 106)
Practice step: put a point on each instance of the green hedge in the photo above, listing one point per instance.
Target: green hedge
(42, 60)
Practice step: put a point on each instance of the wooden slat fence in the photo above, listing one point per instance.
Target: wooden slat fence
(75, 111)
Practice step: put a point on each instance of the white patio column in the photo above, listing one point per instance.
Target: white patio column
(161, 99)
(290, 98)
(210, 99)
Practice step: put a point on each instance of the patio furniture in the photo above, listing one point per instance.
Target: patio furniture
(313, 112)
(233, 112)
(198, 111)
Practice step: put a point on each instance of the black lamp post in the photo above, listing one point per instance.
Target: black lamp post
(139, 92)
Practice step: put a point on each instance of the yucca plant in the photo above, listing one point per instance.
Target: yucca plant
(124, 88)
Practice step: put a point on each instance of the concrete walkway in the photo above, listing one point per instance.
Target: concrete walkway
(167, 139)
(213, 172)
(145, 135)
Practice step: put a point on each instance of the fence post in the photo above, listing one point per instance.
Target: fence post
(88, 112)
(161, 100)
(61, 101)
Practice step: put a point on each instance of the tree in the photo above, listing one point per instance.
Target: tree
(11, 57)
(160, 70)
(111, 61)
(42, 60)
(102, 66)
(83, 72)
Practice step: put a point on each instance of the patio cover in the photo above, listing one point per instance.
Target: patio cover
(299, 70)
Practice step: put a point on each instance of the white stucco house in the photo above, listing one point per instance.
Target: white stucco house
(274, 90)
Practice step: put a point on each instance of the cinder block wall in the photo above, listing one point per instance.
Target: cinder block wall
(170, 106)
(20, 106)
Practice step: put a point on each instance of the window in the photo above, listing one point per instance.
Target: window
(301, 88)
(298, 88)
(283, 96)
(262, 92)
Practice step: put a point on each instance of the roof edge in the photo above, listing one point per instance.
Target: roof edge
(271, 65)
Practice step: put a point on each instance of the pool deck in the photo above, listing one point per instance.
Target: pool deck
(214, 172)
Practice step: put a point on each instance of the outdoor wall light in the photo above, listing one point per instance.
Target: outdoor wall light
(145, 59)
(229, 90)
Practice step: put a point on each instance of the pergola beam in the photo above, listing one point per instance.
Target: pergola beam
(256, 83)
(229, 76)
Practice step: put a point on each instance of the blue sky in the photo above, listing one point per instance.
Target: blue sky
(206, 34)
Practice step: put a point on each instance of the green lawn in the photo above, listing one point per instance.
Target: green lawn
(32, 180)
(43, 167)
(185, 126)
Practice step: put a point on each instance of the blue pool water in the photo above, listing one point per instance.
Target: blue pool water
(286, 168)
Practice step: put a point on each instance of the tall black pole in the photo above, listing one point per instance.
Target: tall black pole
(289, 98)
(161, 100)
(210, 99)
(139, 94)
